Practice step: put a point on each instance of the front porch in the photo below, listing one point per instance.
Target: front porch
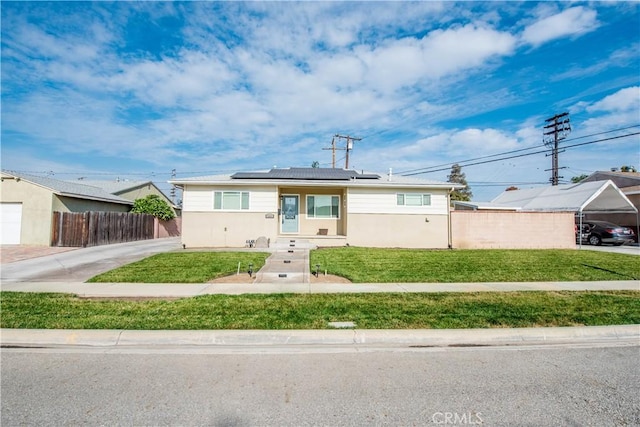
(313, 213)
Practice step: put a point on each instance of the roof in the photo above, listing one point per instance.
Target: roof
(484, 206)
(621, 179)
(597, 196)
(114, 187)
(328, 177)
(69, 189)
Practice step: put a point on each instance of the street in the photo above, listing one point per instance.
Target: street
(545, 385)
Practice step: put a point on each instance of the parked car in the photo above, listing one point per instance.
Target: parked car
(599, 232)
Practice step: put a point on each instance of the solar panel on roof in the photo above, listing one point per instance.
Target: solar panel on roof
(329, 174)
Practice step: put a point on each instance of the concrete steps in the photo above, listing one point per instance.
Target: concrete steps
(288, 263)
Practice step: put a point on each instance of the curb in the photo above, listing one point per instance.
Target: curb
(344, 337)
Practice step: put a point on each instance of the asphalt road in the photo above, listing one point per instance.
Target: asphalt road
(492, 386)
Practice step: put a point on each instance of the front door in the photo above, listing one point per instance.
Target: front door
(290, 214)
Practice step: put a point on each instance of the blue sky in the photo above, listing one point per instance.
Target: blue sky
(134, 90)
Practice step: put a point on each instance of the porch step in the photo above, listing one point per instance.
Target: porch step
(286, 244)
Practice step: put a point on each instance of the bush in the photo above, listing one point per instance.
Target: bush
(154, 205)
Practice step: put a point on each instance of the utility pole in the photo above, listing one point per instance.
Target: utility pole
(333, 152)
(556, 130)
(349, 147)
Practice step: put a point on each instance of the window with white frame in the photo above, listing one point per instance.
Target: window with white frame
(321, 206)
(231, 200)
(413, 199)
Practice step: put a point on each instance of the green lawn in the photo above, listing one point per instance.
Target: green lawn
(369, 265)
(183, 267)
(314, 311)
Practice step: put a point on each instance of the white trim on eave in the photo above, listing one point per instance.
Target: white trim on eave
(314, 183)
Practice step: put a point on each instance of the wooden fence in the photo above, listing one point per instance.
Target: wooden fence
(82, 229)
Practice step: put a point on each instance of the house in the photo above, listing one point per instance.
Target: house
(629, 184)
(131, 190)
(327, 206)
(27, 204)
(542, 217)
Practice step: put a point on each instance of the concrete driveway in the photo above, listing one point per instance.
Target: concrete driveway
(79, 265)
(626, 249)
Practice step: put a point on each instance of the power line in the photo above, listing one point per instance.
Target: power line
(515, 151)
(524, 155)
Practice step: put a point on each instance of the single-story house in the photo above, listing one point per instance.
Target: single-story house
(131, 190)
(27, 204)
(327, 206)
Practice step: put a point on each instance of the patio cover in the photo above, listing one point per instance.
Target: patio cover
(586, 197)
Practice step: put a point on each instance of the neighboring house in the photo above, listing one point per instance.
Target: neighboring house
(329, 207)
(629, 184)
(131, 190)
(27, 204)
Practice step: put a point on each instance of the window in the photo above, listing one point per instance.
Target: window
(413, 199)
(323, 206)
(231, 200)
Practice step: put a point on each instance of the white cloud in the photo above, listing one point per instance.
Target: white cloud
(404, 62)
(574, 21)
(624, 100)
(247, 83)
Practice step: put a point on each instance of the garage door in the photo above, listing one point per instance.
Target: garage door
(11, 223)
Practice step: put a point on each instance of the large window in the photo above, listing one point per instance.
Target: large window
(413, 199)
(231, 200)
(323, 206)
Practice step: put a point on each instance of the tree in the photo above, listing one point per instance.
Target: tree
(315, 164)
(458, 177)
(627, 169)
(577, 179)
(153, 205)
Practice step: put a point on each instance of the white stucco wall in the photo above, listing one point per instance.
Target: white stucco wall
(36, 210)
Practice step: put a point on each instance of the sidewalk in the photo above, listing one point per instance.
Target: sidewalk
(183, 290)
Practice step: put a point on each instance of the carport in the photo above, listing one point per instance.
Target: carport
(601, 197)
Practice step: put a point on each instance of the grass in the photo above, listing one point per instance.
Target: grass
(370, 265)
(314, 311)
(183, 267)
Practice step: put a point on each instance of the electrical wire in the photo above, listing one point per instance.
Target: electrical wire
(516, 151)
(520, 155)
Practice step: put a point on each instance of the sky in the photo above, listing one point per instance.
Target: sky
(136, 90)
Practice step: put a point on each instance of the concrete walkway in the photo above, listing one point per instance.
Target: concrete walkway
(287, 264)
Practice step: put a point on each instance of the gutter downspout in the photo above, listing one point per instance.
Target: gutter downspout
(449, 232)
